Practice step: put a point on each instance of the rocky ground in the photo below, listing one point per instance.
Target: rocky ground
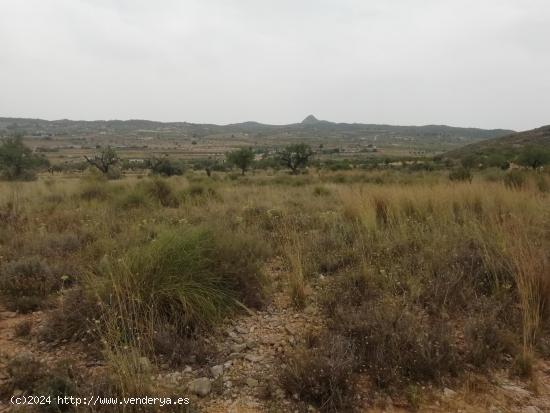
(250, 350)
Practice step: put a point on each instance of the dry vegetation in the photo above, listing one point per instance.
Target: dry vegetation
(420, 280)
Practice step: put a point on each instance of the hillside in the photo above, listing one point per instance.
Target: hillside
(507, 148)
(309, 126)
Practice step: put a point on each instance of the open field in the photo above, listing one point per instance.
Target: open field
(382, 290)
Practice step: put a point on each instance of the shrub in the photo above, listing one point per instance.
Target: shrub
(542, 183)
(515, 179)
(161, 191)
(74, 319)
(165, 167)
(396, 342)
(58, 381)
(23, 329)
(198, 190)
(26, 284)
(461, 174)
(486, 339)
(94, 189)
(60, 244)
(24, 370)
(27, 373)
(114, 173)
(321, 191)
(137, 197)
(322, 375)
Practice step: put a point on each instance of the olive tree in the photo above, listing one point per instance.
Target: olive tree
(241, 158)
(17, 161)
(105, 160)
(296, 156)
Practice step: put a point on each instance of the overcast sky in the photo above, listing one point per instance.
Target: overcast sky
(483, 63)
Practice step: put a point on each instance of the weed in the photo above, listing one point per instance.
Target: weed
(322, 376)
(26, 284)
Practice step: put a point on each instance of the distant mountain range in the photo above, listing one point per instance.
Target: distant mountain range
(310, 126)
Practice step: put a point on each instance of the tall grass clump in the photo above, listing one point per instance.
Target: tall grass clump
(292, 247)
(188, 279)
(532, 277)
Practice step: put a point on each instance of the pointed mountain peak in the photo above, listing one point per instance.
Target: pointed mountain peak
(310, 120)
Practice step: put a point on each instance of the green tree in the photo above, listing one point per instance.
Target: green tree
(104, 160)
(534, 157)
(469, 161)
(241, 158)
(17, 161)
(165, 167)
(296, 156)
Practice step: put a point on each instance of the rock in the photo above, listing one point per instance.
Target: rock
(252, 329)
(227, 364)
(448, 393)
(187, 370)
(531, 409)
(253, 358)
(241, 330)
(516, 389)
(200, 387)
(216, 371)
(238, 348)
(234, 356)
(251, 382)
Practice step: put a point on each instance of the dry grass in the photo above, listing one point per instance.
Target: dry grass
(410, 261)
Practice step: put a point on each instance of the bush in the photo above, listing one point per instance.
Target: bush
(396, 342)
(321, 191)
(196, 190)
(322, 375)
(26, 284)
(515, 179)
(60, 244)
(137, 197)
(161, 191)
(74, 319)
(27, 373)
(461, 174)
(486, 338)
(94, 189)
(23, 329)
(113, 173)
(24, 371)
(166, 167)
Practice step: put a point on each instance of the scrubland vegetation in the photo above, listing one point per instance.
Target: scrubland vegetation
(419, 279)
